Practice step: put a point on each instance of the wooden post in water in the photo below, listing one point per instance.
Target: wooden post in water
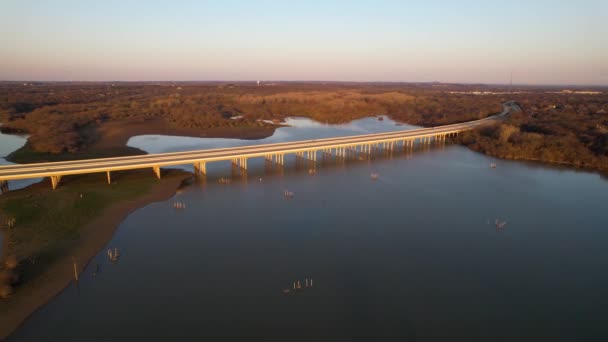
(75, 269)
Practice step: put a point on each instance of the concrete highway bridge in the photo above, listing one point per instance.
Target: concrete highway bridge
(274, 153)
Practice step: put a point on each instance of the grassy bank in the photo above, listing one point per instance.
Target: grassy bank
(51, 227)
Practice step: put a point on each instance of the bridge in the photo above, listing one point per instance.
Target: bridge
(273, 153)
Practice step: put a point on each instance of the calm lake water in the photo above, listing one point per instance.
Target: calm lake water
(8, 144)
(412, 256)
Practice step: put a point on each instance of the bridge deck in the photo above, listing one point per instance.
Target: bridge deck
(240, 154)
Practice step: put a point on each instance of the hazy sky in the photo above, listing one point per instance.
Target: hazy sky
(451, 41)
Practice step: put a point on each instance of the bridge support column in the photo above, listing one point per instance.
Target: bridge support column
(55, 181)
(156, 170)
(200, 168)
(108, 177)
(312, 155)
(3, 186)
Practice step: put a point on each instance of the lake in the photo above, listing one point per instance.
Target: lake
(415, 255)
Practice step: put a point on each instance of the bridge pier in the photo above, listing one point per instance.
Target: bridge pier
(3, 186)
(108, 177)
(240, 162)
(312, 155)
(200, 168)
(156, 170)
(55, 181)
(346, 152)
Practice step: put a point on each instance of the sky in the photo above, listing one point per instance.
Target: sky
(538, 42)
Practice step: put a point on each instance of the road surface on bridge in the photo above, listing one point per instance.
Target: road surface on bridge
(200, 157)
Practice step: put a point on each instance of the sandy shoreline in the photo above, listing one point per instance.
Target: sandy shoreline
(93, 238)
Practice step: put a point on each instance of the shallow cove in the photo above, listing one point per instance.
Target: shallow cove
(414, 254)
(10, 143)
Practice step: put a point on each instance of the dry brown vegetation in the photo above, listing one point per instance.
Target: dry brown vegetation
(558, 128)
(65, 117)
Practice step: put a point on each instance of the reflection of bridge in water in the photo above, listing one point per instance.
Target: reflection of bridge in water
(310, 150)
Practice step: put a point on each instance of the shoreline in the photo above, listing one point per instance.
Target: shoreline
(565, 165)
(118, 133)
(94, 237)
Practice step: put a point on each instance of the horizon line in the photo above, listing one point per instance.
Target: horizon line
(312, 81)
